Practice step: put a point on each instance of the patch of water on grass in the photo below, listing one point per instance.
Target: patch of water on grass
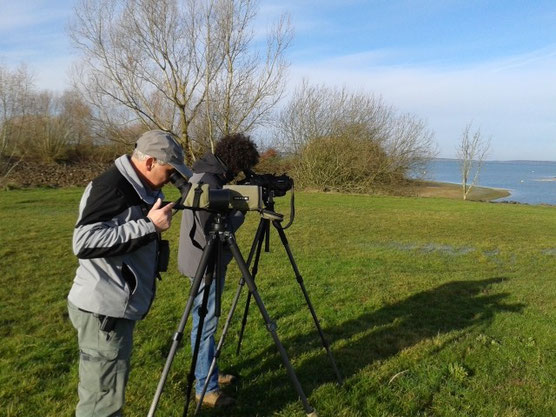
(551, 251)
(447, 249)
(426, 248)
(401, 246)
(491, 253)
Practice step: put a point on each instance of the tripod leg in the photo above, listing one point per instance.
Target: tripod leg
(217, 282)
(267, 234)
(299, 279)
(258, 240)
(261, 230)
(177, 337)
(270, 325)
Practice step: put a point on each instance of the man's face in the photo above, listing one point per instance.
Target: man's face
(159, 175)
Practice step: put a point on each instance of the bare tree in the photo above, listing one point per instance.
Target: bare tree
(15, 91)
(398, 142)
(471, 152)
(318, 111)
(49, 128)
(78, 115)
(248, 86)
(409, 143)
(181, 66)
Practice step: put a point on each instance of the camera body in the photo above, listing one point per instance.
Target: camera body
(231, 197)
(277, 185)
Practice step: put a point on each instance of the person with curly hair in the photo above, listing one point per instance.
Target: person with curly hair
(232, 154)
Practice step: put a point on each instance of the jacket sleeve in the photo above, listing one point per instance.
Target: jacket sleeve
(98, 233)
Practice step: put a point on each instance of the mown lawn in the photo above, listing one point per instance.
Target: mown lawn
(433, 307)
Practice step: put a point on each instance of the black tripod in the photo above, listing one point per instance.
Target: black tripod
(210, 258)
(263, 235)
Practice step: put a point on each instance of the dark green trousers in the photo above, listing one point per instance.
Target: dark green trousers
(103, 364)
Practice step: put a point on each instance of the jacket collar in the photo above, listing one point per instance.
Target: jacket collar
(146, 194)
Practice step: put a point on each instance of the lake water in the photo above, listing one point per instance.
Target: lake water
(530, 182)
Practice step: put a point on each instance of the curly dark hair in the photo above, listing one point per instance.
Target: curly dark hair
(237, 151)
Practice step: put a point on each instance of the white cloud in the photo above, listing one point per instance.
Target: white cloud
(513, 100)
(54, 74)
(20, 15)
(33, 32)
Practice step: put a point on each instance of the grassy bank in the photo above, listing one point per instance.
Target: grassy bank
(434, 307)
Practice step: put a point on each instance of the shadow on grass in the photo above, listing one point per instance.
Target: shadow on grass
(374, 335)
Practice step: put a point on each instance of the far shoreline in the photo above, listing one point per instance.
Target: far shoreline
(454, 191)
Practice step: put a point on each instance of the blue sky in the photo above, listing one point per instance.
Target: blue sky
(449, 62)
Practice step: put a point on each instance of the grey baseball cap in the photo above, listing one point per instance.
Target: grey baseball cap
(164, 147)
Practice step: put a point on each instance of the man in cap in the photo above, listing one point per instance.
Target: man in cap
(117, 241)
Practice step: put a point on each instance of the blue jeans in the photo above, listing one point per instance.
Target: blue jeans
(207, 345)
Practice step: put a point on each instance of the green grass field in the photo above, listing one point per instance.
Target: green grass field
(433, 307)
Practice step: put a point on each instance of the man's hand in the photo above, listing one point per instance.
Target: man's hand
(161, 216)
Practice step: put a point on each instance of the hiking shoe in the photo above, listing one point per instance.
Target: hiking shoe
(226, 379)
(216, 399)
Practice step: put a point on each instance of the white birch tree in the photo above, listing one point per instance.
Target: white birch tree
(471, 152)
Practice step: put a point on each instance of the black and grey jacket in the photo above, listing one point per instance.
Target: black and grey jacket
(195, 225)
(116, 245)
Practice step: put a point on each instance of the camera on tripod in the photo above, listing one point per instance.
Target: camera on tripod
(278, 185)
(272, 186)
(231, 197)
(254, 193)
